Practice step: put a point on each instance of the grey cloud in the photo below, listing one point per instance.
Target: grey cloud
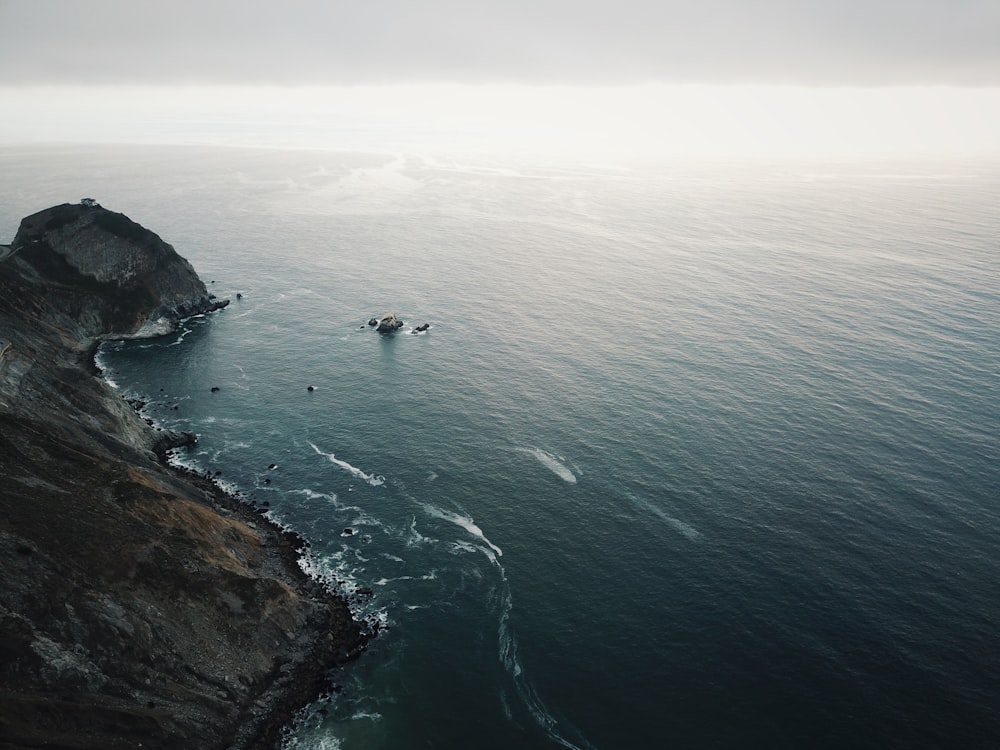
(868, 42)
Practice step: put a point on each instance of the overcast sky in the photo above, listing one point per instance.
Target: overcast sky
(579, 42)
(586, 77)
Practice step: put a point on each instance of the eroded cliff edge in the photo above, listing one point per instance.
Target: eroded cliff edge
(137, 605)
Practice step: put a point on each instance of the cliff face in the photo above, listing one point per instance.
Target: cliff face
(106, 273)
(137, 605)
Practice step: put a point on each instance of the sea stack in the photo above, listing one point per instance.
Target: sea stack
(389, 323)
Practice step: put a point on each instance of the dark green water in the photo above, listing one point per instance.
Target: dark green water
(689, 458)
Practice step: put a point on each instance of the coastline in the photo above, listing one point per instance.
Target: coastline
(294, 689)
(141, 603)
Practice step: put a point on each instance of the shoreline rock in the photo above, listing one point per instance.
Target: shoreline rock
(140, 603)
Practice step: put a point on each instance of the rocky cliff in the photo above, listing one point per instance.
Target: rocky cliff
(109, 276)
(138, 606)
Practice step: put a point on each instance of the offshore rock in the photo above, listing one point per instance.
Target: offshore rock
(139, 605)
(389, 323)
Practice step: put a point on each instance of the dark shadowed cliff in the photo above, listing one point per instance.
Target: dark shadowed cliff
(137, 605)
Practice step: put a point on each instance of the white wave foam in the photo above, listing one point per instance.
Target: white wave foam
(182, 334)
(372, 479)
(432, 576)
(459, 520)
(415, 537)
(373, 715)
(553, 464)
(684, 529)
(326, 742)
(511, 660)
(462, 546)
(313, 495)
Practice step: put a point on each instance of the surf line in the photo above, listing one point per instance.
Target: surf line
(372, 479)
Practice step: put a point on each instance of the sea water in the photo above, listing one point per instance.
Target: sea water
(690, 456)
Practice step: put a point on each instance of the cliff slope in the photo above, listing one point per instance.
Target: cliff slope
(138, 606)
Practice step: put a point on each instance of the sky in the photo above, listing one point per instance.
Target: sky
(739, 76)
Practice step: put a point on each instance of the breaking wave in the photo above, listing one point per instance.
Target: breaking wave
(459, 520)
(553, 464)
(375, 480)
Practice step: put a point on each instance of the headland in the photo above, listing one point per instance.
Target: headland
(139, 605)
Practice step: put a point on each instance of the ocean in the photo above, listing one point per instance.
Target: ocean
(691, 455)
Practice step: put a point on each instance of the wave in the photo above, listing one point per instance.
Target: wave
(359, 517)
(684, 529)
(507, 641)
(181, 335)
(511, 660)
(459, 520)
(415, 537)
(313, 495)
(326, 742)
(372, 479)
(432, 576)
(373, 715)
(552, 463)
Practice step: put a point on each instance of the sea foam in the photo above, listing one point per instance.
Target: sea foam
(684, 529)
(553, 464)
(373, 479)
(459, 520)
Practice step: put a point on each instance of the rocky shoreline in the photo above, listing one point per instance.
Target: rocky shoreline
(140, 604)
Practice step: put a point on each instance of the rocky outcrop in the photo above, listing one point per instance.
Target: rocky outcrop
(107, 274)
(389, 323)
(138, 606)
(170, 439)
